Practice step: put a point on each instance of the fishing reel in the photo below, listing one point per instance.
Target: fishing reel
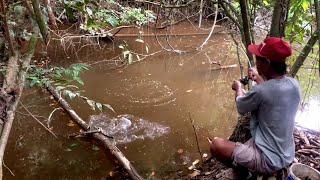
(245, 80)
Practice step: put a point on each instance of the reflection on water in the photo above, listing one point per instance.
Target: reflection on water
(127, 128)
(309, 114)
(152, 92)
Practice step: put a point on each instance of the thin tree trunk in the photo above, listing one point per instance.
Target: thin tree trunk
(246, 27)
(200, 12)
(279, 18)
(14, 95)
(235, 19)
(3, 17)
(103, 139)
(317, 8)
(304, 53)
(52, 17)
(40, 20)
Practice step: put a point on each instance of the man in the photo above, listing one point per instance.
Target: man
(273, 103)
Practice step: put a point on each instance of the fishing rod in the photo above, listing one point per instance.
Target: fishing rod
(245, 79)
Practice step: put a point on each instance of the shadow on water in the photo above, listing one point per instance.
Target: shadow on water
(163, 89)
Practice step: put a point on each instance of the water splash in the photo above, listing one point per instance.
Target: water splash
(127, 128)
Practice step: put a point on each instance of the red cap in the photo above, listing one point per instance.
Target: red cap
(273, 48)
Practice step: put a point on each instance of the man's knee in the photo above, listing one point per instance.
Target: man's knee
(216, 145)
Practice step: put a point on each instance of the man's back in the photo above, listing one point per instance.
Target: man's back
(274, 105)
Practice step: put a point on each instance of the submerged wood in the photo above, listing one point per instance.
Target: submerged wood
(103, 139)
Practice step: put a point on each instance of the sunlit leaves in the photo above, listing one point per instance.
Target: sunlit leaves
(305, 5)
(299, 20)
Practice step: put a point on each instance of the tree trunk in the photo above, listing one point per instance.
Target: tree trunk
(8, 38)
(317, 8)
(11, 94)
(52, 17)
(304, 53)
(246, 27)
(40, 20)
(279, 18)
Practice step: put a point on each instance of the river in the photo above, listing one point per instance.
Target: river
(167, 88)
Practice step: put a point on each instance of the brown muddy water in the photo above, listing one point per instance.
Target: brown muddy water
(166, 88)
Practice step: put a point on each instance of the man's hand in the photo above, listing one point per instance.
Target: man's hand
(254, 75)
(236, 85)
(238, 88)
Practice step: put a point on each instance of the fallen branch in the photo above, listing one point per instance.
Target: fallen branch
(225, 67)
(103, 139)
(196, 136)
(213, 26)
(49, 118)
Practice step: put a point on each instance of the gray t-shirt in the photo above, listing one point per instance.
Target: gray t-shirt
(273, 105)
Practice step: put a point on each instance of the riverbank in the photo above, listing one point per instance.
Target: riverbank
(307, 145)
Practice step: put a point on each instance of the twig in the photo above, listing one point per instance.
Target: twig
(8, 168)
(49, 118)
(37, 120)
(213, 26)
(238, 55)
(195, 134)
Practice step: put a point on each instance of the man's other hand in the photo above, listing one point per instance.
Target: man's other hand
(254, 75)
(236, 85)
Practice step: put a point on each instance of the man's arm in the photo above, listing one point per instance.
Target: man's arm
(246, 102)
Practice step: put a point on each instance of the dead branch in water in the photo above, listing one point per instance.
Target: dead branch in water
(196, 136)
(49, 118)
(103, 139)
(213, 26)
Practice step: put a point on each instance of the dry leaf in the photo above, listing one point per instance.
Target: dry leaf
(180, 151)
(195, 173)
(205, 155)
(191, 167)
(195, 162)
(70, 124)
(190, 90)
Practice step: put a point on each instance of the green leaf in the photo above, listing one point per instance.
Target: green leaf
(59, 88)
(69, 93)
(91, 104)
(99, 106)
(113, 21)
(305, 5)
(109, 107)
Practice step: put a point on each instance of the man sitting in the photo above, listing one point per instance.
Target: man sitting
(273, 104)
